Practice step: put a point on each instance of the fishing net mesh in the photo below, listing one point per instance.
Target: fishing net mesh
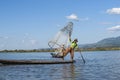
(62, 37)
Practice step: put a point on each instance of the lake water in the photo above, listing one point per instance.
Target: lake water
(100, 65)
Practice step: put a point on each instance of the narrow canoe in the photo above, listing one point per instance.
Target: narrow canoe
(35, 61)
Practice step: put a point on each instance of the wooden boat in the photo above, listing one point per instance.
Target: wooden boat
(35, 61)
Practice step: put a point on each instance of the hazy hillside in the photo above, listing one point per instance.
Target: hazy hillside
(107, 42)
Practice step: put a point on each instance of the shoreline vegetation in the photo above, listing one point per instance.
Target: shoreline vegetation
(52, 50)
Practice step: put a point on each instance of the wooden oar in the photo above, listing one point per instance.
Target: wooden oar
(82, 56)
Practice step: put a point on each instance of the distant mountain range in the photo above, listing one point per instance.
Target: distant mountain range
(107, 42)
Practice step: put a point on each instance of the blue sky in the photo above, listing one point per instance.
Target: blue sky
(30, 24)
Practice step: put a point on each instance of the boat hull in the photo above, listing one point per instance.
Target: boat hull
(35, 61)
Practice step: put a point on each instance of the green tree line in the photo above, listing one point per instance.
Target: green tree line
(51, 50)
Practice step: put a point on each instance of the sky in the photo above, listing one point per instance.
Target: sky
(31, 24)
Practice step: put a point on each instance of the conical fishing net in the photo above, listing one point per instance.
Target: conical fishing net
(62, 37)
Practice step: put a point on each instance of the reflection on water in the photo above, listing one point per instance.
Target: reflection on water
(68, 71)
(38, 72)
(104, 65)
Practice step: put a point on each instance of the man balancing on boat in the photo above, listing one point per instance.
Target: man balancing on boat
(70, 49)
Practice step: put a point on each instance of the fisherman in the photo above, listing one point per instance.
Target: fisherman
(71, 48)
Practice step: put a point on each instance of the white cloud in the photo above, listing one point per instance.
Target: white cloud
(113, 11)
(29, 41)
(114, 28)
(72, 17)
(33, 42)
